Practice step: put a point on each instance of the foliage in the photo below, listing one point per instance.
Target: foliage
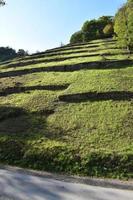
(93, 29)
(109, 30)
(7, 53)
(77, 37)
(124, 25)
(2, 2)
(89, 30)
(22, 52)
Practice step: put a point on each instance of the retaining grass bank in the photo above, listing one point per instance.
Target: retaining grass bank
(73, 116)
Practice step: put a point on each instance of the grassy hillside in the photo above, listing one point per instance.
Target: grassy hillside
(69, 109)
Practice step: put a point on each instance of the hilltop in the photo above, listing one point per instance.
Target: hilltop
(69, 110)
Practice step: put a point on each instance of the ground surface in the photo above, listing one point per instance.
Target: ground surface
(19, 186)
(69, 110)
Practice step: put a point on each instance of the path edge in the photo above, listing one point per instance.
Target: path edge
(99, 182)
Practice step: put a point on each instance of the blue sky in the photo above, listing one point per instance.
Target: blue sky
(41, 24)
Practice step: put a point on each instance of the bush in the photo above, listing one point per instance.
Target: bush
(93, 29)
(124, 25)
(7, 53)
(22, 52)
(77, 37)
(2, 2)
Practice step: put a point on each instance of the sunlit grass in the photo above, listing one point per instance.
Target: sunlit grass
(92, 137)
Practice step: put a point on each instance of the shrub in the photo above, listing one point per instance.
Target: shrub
(77, 37)
(93, 29)
(124, 25)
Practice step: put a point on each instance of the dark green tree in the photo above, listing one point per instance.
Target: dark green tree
(130, 23)
(89, 30)
(105, 21)
(22, 52)
(93, 29)
(76, 37)
(124, 25)
(7, 53)
(2, 2)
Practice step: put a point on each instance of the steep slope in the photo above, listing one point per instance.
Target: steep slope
(69, 109)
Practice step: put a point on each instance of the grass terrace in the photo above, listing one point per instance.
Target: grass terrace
(69, 110)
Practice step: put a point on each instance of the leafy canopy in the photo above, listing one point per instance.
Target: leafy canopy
(2, 2)
(93, 29)
(76, 37)
(124, 25)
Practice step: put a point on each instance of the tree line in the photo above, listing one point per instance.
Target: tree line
(100, 28)
(120, 27)
(123, 26)
(2, 2)
(9, 53)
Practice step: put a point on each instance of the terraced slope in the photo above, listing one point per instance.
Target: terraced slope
(69, 109)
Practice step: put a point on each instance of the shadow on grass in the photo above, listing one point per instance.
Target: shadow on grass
(5, 62)
(108, 40)
(99, 65)
(77, 46)
(71, 48)
(15, 120)
(61, 53)
(17, 90)
(32, 62)
(94, 96)
(45, 54)
(21, 123)
(31, 150)
(17, 126)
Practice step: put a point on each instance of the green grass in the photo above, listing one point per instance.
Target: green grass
(101, 49)
(88, 133)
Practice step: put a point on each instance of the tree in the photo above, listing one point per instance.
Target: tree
(130, 23)
(93, 29)
(106, 20)
(7, 53)
(108, 30)
(77, 37)
(130, 1)
(2, 2)
(22, 52)
(102, 23)
(89, 30)
(124, 25)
